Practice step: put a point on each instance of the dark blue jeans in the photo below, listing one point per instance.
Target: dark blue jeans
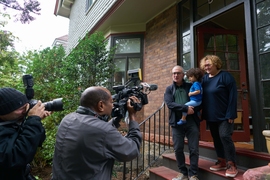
(222, 136)
(191, 131)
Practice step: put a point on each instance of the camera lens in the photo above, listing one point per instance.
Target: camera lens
(54, 105)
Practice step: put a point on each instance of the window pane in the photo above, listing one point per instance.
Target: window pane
(264, 66)
(186, 61)
(132, 45)
(220, 43)
(233, 61)
(216, 5)
(264, 39)
(134, 63)
(209, 42)
(185, 32)
(119, 75)
(186, 44)
(203, 11)
(185, 17)
(263, 13)
(266, 90)
(222, 56)
(206, 7)
(236, 76)
(232, 43)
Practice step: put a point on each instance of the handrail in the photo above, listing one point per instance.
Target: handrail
(156, 134)
(162, 105)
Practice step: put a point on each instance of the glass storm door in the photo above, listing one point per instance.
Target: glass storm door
(229, 46)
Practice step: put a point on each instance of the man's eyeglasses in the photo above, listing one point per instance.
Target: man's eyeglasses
(177, 73)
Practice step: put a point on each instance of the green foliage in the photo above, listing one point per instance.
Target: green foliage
(8, 55)
(44, 66)
(56, 75)
(89, 64)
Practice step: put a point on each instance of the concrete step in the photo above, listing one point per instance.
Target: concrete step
(169, 169)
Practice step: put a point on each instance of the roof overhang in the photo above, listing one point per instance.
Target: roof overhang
(130, 13)
(63, 7)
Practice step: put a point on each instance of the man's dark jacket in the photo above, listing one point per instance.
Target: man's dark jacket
(18, 145)
(173, 106)
(86, 147)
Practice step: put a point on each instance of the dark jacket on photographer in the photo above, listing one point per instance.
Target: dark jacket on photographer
(175, 107)
(87, 146)
(18, 142)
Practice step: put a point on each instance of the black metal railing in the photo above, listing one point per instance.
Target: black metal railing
(156, 140)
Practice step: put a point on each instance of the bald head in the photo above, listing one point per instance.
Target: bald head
(93, 95)
(179, 68)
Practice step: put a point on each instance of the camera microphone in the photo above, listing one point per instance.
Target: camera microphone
(153, 87)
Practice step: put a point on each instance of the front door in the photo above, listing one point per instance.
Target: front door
(229, 46)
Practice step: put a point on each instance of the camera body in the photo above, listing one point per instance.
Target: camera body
(134, 87)
(54, 105)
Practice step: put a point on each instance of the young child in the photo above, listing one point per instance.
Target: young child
(195, 93)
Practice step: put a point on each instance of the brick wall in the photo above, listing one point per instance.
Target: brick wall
(160, 55)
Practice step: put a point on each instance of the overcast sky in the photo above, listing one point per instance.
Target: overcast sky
(41, 32)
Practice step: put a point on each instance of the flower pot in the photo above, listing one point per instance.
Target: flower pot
(266, 134)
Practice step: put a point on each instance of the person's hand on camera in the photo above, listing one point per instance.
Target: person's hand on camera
(130, 108)
(38, 110)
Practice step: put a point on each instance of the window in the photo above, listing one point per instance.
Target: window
(128, 56)
(89, 3)
(185, 59)
(206, 7)
(263, 34)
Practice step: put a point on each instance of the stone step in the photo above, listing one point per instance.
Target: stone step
(170, 170)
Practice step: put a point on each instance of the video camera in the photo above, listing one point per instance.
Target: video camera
(133, 87)
(54, 105)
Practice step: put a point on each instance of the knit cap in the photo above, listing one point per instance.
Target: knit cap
(10, 100)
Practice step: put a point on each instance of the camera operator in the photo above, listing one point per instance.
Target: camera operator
(21, 132)
(87, 145)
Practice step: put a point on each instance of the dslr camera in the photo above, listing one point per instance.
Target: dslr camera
(133, 87)
(54, 105)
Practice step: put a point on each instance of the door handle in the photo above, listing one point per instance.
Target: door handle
(244, 92)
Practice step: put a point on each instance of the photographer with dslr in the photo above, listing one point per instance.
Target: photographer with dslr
(87, 145)
(21, 132)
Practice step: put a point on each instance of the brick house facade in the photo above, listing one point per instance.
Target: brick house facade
(171, 32)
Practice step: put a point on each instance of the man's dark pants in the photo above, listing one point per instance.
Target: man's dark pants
(191, 131)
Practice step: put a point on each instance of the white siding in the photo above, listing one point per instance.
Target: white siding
(82, 22)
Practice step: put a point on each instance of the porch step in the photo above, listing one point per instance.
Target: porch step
(247, 159)
(170, 170)
(162, 173)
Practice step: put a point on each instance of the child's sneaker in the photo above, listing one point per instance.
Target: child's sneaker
(181, 122)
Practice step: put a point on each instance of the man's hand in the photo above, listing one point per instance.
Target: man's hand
(130, 108)
(190, 110)
(38, 110)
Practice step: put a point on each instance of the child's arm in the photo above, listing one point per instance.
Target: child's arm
(194, 93)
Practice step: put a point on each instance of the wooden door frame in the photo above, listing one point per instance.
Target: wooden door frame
(244, 135)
